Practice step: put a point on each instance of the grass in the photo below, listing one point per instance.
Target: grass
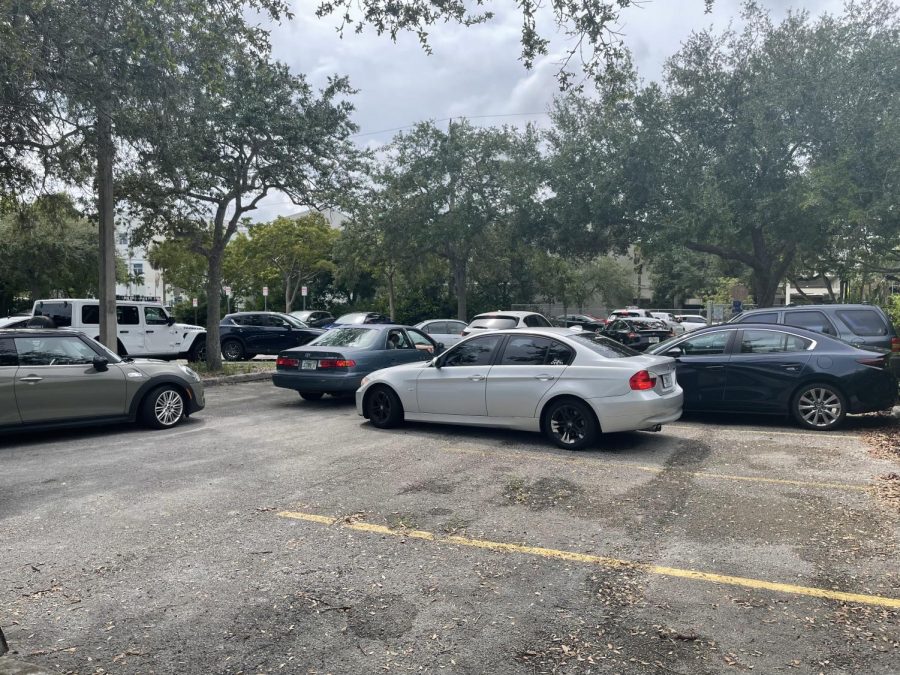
(241, 368)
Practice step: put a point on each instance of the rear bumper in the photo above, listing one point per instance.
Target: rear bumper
(343, 383)
(637, 410)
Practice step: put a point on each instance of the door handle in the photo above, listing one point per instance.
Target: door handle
(792, 367)
(476, 378)
(150, 331)
(31, 379)
(123, 331)
(544, 378)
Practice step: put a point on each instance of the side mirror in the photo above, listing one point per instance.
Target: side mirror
(441, 347)
(100, 364)
(674, 352)
(437, 362)
(170, 321)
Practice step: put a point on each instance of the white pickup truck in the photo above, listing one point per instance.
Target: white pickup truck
(144, 328)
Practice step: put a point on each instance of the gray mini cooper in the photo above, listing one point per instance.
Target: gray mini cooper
(56, 378)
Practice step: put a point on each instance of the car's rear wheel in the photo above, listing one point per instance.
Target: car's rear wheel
(311, 395)
(383, 408)
(819, 406)
(232, 350)
(198, 350)
(570, 424)
(163, 407)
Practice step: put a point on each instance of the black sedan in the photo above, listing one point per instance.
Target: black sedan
(761, 368)
(586, 321)
(336, 362)
(243, 335)
(637, 333)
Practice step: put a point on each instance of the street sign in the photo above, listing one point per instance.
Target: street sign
(737, 306)
(303, 291)
(194, 302)
(228, 290)
(265, 290)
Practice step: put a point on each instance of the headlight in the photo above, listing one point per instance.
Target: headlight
(365, 381)
(190, 373)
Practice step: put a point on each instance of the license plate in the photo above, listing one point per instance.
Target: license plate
(666, 381)
(309, 365)
(653, 341)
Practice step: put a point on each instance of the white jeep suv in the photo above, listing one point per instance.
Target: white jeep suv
(144, 327)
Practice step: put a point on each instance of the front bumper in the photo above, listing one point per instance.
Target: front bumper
(637, 410)
(197, 397)
(338, 383)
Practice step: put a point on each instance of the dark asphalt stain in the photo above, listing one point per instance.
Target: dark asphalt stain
(381, 617)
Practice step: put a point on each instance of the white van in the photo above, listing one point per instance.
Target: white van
(144, 328)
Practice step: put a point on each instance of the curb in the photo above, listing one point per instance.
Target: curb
(236, 379)
(11, 666)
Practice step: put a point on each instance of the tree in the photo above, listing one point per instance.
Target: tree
(180, 267)
(296, 250)
(260, 129)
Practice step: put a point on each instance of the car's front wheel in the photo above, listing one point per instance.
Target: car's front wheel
(163, 407)
(570, 424)
(198, 350)
(819, 406)
(383, 408)
(232, 350)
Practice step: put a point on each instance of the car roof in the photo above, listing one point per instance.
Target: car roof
(25, 332)
(749, 325)
(516, 313)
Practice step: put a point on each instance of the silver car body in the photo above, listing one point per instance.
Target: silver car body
(514, 396)
(691, 321)
(440, 330)
(671, 322)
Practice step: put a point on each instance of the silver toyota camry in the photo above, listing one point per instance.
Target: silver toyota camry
(570, 385)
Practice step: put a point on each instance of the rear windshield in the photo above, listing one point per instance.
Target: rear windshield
(865, 322)
(495, 322)
(648, 325)
(603, 346)
(360, 338)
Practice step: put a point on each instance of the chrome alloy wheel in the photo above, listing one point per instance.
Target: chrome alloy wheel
(168, 408)
(568, 424)
(820, 407)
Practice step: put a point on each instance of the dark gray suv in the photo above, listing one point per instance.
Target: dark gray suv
(56, 378)
(860, 325)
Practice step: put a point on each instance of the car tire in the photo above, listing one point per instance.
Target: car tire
(250, 357)
(233, 350)
(383, 407)
(163, 407)
(819, 406)
(198, 350)
(311, 395)
(570, 424)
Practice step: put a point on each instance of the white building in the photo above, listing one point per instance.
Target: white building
(143, 280)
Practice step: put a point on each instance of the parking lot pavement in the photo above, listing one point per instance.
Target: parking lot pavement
(270, 534)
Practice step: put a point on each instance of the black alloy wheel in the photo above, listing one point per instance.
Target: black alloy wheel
(383, 408)
(232, 350)
(570, 424)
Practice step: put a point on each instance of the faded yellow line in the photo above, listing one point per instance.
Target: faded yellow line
(604, 465)
(757, 430)
(571, 556)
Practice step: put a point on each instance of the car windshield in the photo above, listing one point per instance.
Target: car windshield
(359, 338)
(603, 346)
(355, 317)
(664, 345)
(110, 355)
(494, 322)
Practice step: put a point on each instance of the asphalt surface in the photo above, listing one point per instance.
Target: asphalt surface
(269, 534)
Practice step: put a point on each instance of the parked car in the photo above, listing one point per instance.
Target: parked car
(691, 321)
(144, 328)
(570, 385)
(359, 318)
(585, 321)
(60, 377)
(638, 333)
(14, 321)
(761, 368)
(243, 335)
(670, 320)
(336, 362)
(860, 325)
(314, 318)
(447, 331)
(629, 313)
(503, 320)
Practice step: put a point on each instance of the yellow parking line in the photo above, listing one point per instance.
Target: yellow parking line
(571, 556)
(606, 464)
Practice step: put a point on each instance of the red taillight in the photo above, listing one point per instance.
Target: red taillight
(895, 344)
(336, 363)
(631, 336)
(283, 361)
(642, 381)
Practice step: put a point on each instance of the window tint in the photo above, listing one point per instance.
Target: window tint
(90, 314)
(420, 340)
(455, 327)
(8, 355)
(866, 322)
(709, 344)
(535, 321)
(494, 322)
(127, 315)
(359, 338)
(396, 339)
(476, 352)
(559, 354)
(811, 320)
(53, 351)
(765, 317)
(155, 316)
(272, 321)
(435, 327)
(604, 346)
(59, 312)
(770, 342)
(525, 351)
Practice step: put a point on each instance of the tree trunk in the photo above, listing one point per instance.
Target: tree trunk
(214, 307)
(391, 295)
(764, 285)
(288, 298)
(459, 287)
(107, 226)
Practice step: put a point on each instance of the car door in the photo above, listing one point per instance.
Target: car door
(160, 337)
(701, 369)
(253, 333)
(458, 386)
(765, 369)
(56, 380)
(526, 370)
(426, 346)
(279, 335)
(131, 330)
(401, 349)
(9, 364)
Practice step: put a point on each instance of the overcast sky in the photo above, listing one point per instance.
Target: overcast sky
(474, 72)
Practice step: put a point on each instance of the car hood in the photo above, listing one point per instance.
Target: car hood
(188, 327)
(153, 367)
